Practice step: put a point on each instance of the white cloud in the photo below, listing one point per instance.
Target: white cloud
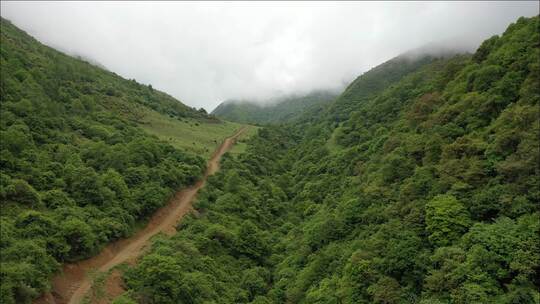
(206, 52)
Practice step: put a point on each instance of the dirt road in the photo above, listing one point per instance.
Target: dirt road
(73, 283)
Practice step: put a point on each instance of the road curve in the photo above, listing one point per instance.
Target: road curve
(73, 283)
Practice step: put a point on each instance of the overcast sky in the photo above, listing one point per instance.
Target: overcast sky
(205, 52)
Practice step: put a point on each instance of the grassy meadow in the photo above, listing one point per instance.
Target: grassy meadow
(189, 134)
(241, 143)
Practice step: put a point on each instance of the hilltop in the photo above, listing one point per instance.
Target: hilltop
(277, 110)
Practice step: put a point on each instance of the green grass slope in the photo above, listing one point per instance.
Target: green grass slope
(431, 195)
(200, 137)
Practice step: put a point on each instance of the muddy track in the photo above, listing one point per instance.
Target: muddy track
(73, 283)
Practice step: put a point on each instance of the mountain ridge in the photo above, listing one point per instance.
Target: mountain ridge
(277, 110)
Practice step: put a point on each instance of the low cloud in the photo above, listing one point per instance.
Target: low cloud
(206, 52)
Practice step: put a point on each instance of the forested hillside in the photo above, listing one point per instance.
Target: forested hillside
(419, 184)
(280, 110)
(77, 171)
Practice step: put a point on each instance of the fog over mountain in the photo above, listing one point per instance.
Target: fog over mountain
(204, 53)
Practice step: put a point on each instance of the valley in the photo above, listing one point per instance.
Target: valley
(419, 183)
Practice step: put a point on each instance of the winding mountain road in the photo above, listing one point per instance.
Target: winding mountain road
(72, 284)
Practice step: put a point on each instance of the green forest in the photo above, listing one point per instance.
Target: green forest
(420, 183)
(77, 170)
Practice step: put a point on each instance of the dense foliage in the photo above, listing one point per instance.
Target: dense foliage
(418, 188)
(223, 254)
(279, 110)
(74, 174)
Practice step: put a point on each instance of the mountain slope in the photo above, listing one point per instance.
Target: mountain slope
(431, 196)
(63, 78)
(281, 110)
(77, 170)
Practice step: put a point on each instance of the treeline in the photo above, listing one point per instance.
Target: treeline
(75, 175)
(423, 190)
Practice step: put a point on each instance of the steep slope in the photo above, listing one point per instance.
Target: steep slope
(327, 120)
(431, 196)
(77, 171)
(374, 81)
(281, 110)
(63, 78)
